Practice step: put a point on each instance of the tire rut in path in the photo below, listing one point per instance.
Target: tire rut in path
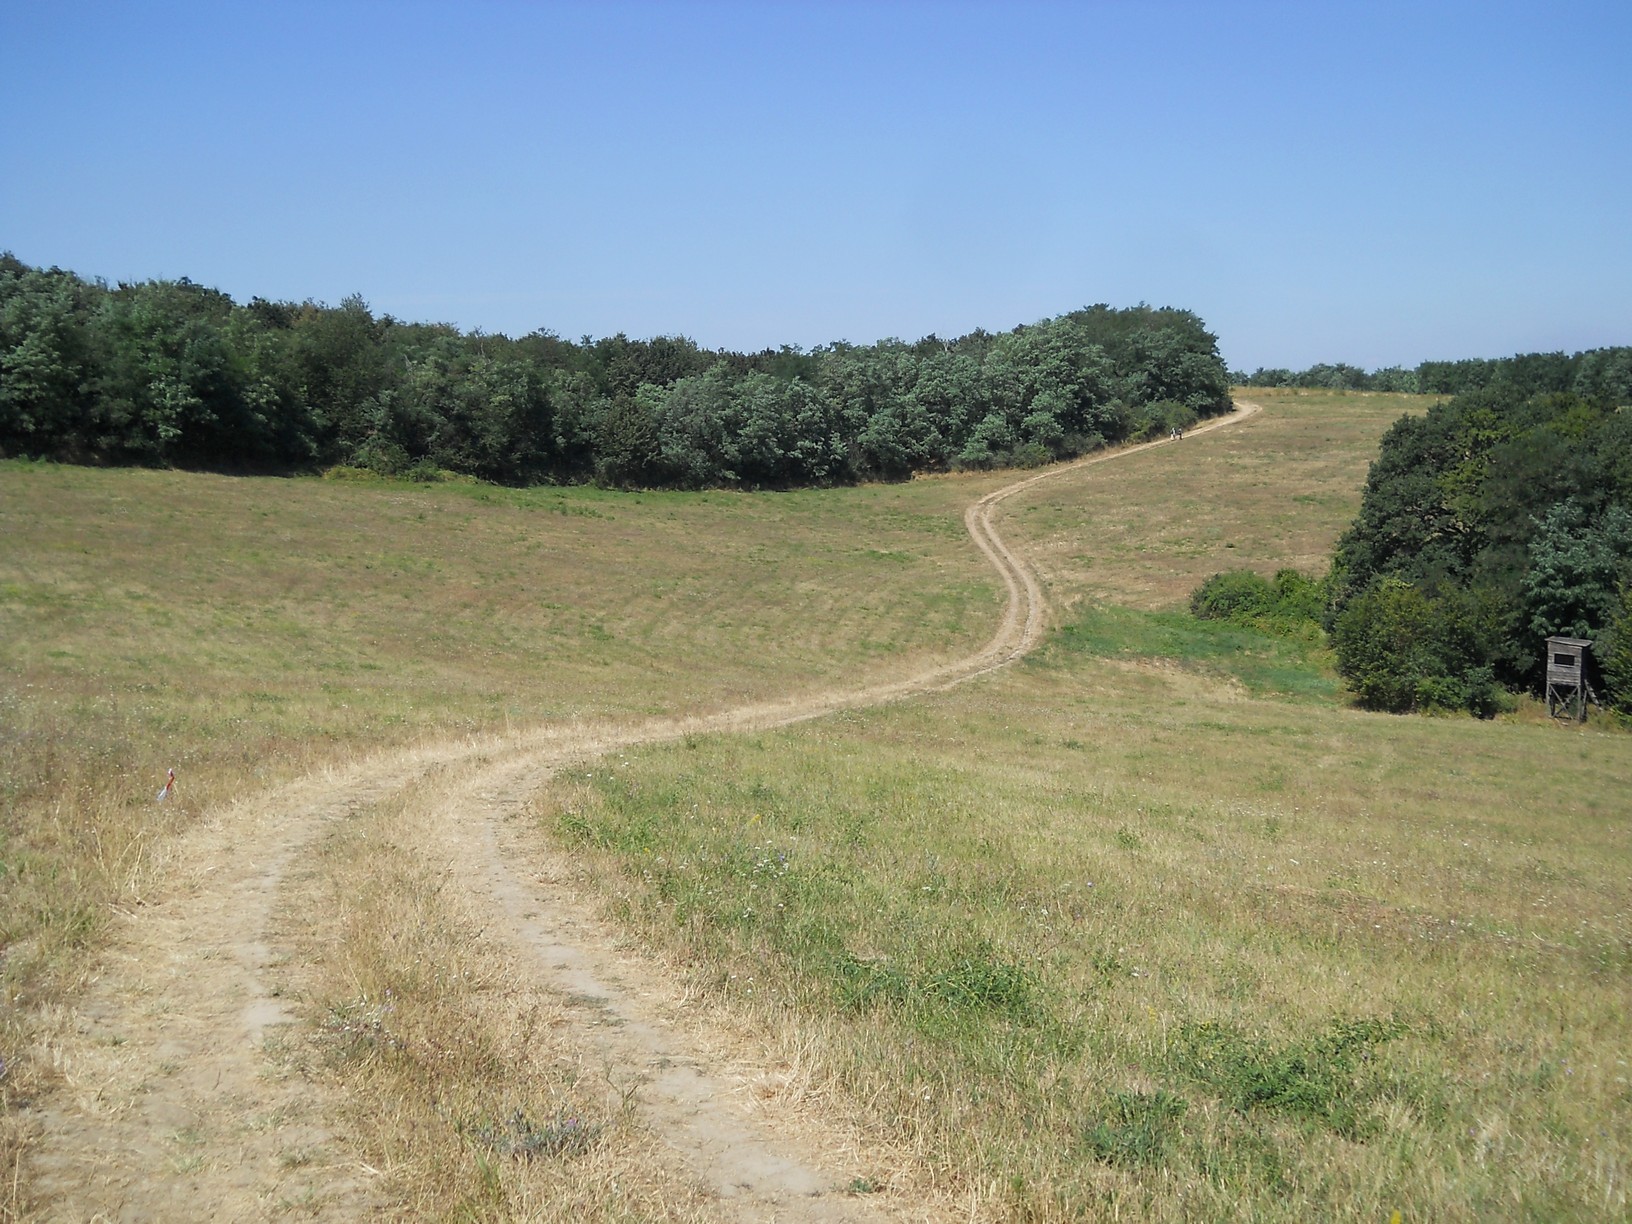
(170, 1108)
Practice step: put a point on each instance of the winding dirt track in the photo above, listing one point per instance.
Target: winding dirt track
(173, 1109)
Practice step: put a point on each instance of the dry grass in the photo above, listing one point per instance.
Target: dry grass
(242, 631)
(1116, 856)
(1275, 492)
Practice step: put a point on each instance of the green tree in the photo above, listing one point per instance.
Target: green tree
(989, 442)
(170, 387)
(577, 416)
(1614, 651)
(628, 445)
(1408, 526)
(343, 367)
(497, 424)
(174, 372)
(818, 453)
(45, 366)
(1577, 570)
(694, 430)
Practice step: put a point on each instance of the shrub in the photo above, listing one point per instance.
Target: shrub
(1402, 650)
(382, 456)
(1159, 419)
(1384, 644)
(1291, 605)
(1081, 444)
(1234, 596)
(1298, 598)
(1030, 455)
(356, 475)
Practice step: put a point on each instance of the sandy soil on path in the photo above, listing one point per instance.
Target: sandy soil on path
(172, 1107)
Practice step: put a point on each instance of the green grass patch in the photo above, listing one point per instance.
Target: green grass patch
(1266, 664)
(1328, 1077)
(1135, 1128)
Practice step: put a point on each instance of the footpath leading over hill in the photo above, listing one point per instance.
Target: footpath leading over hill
(173, 1033)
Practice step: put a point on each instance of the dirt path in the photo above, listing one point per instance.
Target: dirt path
(173, 1110)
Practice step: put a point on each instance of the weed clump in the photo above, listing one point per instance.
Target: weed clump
(867, 983)
(518, 1135)
(982, 983)
(359, 1030)
(1135, 1127)
(1318, 1079)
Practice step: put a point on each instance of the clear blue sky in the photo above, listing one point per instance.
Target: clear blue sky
(1376, 183)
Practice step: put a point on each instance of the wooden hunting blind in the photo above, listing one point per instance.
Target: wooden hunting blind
(1568, 689)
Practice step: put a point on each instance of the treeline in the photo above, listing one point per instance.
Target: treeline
(1491, 523)
(1339, 377)
(171, 372)
(1604, 374)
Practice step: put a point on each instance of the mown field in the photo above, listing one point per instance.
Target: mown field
(1150, 926)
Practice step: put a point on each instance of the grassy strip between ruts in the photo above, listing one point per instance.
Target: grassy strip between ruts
(463, 1083)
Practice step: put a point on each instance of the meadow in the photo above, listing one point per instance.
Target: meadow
(1154, 925)
(246, 631)
(1151, 925)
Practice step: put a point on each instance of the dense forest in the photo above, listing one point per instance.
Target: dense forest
(1487, 525)
(1604, 374)
(171, 372)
